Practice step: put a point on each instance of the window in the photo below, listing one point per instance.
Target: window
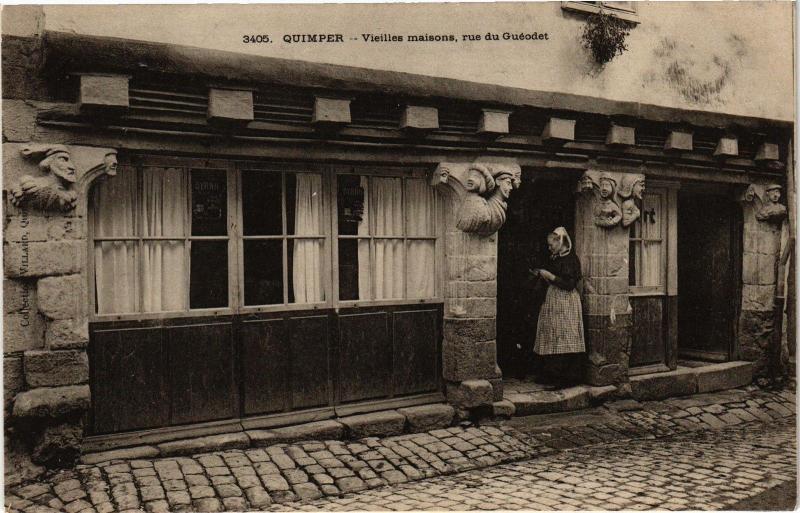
(647, 248)
(623, 10)
(386, 237)
(179, 239)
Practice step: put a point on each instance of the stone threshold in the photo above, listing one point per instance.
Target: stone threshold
(413, 419)
(644, 387)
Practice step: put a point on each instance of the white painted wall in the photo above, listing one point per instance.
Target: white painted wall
(719, 56)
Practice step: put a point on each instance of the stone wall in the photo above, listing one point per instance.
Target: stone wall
(761, 253)
(46, 394)
(603, 252)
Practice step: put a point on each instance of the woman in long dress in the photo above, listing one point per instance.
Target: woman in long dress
(559, 332)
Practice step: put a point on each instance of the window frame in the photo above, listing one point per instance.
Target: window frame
(387, 172)
(663, 240)
(628, 14)
(236, 238)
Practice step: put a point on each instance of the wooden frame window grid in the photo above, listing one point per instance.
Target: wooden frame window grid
(372, 238)
(648, 231)
(623, 10)
(235, 239)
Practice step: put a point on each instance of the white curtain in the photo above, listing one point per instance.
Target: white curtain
(364, 266)
(307, 253)
(164, 271)
(387, 212)
(652, 269)
(114, 215)
(421, 272)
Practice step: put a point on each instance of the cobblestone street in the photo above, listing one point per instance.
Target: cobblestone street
(712, 470)
(698, 452)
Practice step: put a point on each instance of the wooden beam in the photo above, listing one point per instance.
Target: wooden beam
(230, 106)
(621, 136)
(107, 93)
(767, 152)
(559, 130)
(420, 118)
(727, 147)
(678, 140)
(331, 111)
(494, 122)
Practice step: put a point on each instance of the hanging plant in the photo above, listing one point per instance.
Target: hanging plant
(604, 35)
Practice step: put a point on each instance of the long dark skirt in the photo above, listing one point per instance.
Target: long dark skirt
(559, 369)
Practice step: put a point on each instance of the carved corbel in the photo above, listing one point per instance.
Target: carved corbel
(766, 202)
(483, 189)
(55, 189)
(631, 191)
(603, 188)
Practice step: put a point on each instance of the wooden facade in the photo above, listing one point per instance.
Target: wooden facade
(264, 363)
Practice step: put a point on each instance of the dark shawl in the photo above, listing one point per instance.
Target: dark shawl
(567, 270)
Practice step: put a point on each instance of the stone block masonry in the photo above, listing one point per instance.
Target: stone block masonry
(762, 247)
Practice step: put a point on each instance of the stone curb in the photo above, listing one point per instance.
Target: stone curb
(238, 479)
(413, 419)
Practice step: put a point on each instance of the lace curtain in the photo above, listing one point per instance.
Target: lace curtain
(307, 253)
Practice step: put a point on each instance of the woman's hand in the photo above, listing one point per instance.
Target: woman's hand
(534, 272)
(547, 275)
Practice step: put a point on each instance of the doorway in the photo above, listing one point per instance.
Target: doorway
(709, 272)
(543, 203)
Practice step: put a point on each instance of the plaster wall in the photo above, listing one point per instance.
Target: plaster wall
(735, 58)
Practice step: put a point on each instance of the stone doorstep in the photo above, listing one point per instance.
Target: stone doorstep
(646, 387)
(691, 380)
(381, 423)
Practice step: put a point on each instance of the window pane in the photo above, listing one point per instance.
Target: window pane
(164, 276)
(389, 269)
(352, 201)
(386, 205)
(420, 206)
(634, 255)
(164, 202)
(209, 274)
(263, 272)
(305, 260)
(114, 205)
(209, 202)
(651, 264)
(116, 276)
(421, 274)
(304, 205)
(261, 203)
(652, 216)
(354, 264)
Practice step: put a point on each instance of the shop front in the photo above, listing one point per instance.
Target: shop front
(224, 247)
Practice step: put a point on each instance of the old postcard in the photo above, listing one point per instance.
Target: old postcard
(439, 256)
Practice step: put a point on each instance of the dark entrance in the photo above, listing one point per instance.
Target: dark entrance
(709, 271)
(542, 203)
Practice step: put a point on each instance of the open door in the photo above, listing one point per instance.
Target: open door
(539, 206)
(709, 271)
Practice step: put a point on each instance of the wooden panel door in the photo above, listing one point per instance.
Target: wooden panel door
(201, 367)
(265, 357)
(648, 331)
(129, 389)
(365, 356)
(416, 356)
(309, 370)
(709, 271)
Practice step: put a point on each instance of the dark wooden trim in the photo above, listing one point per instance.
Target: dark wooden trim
(671, 326)
(72, 53)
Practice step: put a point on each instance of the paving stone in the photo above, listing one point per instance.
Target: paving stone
(307, 491)
(385, 423)
(228, 490)
(350, 484)
(258, 497)
(275, 483)
(200, 492)
(177, 498)
(295, 476)
(208, 505)
(220, 480)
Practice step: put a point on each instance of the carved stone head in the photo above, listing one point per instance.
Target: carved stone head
(60, 164)
(505, 183)
(478, 179)
(110, 163)
(773, 193)
(607, 186)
